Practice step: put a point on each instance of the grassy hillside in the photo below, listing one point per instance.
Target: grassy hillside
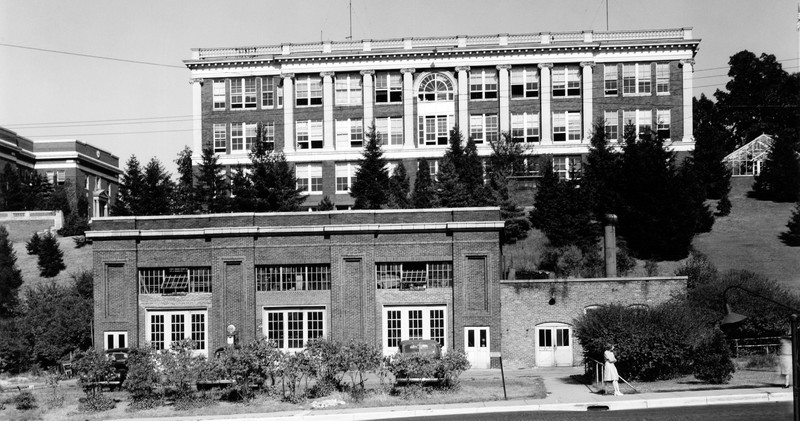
(75, 260)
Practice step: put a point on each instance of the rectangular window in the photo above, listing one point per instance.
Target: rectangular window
(566, 126)
(663, 124)
(164, 328)
(61, 177)
(636, 79)
(483, 84)
(243, 93)
(525, 127)
(243, 136)
(51, 176)
(309, 178)
(642, 121)
(390, 130)
(98, 183)
(218, 88)
(388, 88)
(348, 89)
(293, 278)
(611, 125)
(414, 276)
(345, 174)
(567, 166)
(434, 129)
(267, 92)
(220, 138)
(115, 340)
(292, 328)
(268, 132)
(308, 91)
(611, 79)
(419, 322)
(86, 181)
(524, 82)
(174, 280)
(433, 168)
(643, 78)
(483, 128)
(349, 133)
(566, 81)
(309, 134)
(662, 79)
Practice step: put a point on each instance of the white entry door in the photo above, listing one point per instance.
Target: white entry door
(476, 346)
(553, 345)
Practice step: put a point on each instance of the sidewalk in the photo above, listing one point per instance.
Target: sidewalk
(564, 394)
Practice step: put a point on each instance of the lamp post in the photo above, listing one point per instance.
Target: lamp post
(733, 318)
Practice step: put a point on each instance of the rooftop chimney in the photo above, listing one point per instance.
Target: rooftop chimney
(610, 245)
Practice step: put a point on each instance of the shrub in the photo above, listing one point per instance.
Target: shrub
(79, 240)
(25, 401)
(651, 268)
(181, 369)
(699, 268)
(724, 206)
(402, 366)
(761, 361)
(32, 246)
(712, 361)
(360, 358)
(95, 403)
(57, 399)
(142, 378)
(451, 366)
(93, 368)
(328, 365)
(294, 368)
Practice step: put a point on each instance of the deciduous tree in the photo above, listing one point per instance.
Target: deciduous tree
(779, 179)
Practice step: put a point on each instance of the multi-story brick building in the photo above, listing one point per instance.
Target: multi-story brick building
(316, 100)
(93, 172)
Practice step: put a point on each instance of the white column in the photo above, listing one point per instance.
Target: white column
(197, 122)
(546, 114)
(328, 135)
(463, 100)
(288, 112)
(588, 116)
(368, 90)
(688, 121)
(505, 113)
(408, 107)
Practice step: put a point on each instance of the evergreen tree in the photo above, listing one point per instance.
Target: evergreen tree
(273, 180)
(10, 276)
(326, 204)
(791, 237)
(130, 191)
(601, 174)
(241, 190)
(724, 206)
(212, 187)
(185, 198)
(158, 190)
(371, 185)
(712, 144)
(506, 159)
(51, 258)
(37, 192)
(424, 195)
(12, 197)
(779, 179)
(460, 178)
(399, 188)
(32, 245)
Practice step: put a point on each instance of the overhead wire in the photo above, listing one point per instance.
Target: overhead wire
(69, 53)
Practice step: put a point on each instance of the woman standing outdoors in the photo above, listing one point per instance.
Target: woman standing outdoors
(610, 370)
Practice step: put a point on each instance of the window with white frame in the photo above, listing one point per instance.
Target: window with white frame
(309, 134)
(220, 138)
(267, 92)
(435, 87)
(611, 79)
(388, 87)
(636, 79)
(401, 323)
(61, 177)
(567, 167)
(86, 181)
(591, 308)
(348, 89)
(290, 328)
(345, 173)
(566, 126)
(243, 93)
(51, 176)
(308, 91)
(433, 168)
(524, 82)
(662, 78)
(279, 92)
(414, 276)
(663, 123)
(309, 178)
(483, 84)
(390, 130)
(218, 93)
(98, 183)
(176, 280)
(293, 278)
(642, 120)
(525, 127)
(165, 328)
(611, 122)
(434, 129)
(243, 136)
(116, 339)
(268, 134)
(566, 81)
(349, 133)
(483, 128)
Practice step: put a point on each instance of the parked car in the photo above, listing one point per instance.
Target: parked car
(426, 347)
(119, 359)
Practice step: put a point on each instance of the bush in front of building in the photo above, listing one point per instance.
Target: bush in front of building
(143, 380)
(712, 361)
(94, 370)
(447, 369)
(180, 369)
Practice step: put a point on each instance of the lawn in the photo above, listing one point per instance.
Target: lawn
(76, 260)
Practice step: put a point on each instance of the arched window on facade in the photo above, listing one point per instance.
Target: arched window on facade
(435, 87)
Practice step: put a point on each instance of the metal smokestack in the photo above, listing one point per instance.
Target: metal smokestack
(610, 245)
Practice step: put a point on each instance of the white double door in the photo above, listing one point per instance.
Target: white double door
(476, 346)
(553, 345)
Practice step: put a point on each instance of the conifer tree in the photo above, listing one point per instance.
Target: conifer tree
(724, 206)
(32, 245)
(51, 258)
(37, 192)
(326, 204)
(241, 190)
(424, 195)
(273, 180)
(507, 157)
(212, 188)
(779, 179)
(158, 190)
(130, 191)
(600, 178)
(185, 198)
(460, 178)
(711, 146)
(791, 237)
(10, 275)
(371, 185)
(12, 197)
(399, 188)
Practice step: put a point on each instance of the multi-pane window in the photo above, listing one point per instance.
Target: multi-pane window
(567, 166)
(566, 126)
(345, 175)
(424, 322)
(165, 328)
(662, 78)
(611, 125)
(388, 87)
(309, 178)
(243, 136)
(636, 79)
(308, 91)
(611, 79)
(268, 133)
(483, 128)
(349, 133)
(115, 339)
(435, 87)
(433, 129)
(524, 82)
(525, 127)
(642, 120)
(663, 123)
(390, 130)
(348, 89)
(309, 134)
(61, 177)
(174, 280)
(218, 92)
(483, 84)
(220, 138)
(566, 81)
(291, 328)
(267, 92)
(243, 93)
(98, 183)
(433, 168)
(414, 275)
(293, 278)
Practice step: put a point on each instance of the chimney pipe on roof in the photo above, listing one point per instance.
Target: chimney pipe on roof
(610, 245)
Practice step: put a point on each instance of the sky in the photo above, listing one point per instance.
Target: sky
(111, 73)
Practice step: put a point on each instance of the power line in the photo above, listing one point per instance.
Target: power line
(112, 134)
(148, 63)
(102, 123)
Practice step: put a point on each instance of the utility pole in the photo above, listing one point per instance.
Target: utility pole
(350, 7)
(607, 14)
